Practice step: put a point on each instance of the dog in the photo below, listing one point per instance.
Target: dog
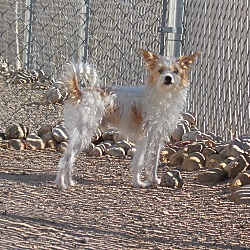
(148, 114)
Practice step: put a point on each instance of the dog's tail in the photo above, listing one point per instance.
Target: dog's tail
(77, 77)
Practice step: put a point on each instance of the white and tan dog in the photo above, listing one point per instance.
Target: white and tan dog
(147, 114)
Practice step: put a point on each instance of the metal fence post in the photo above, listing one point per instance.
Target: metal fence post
(163, 23)
(86, 31)
(28, 32)
(179, 23)
(175, 27)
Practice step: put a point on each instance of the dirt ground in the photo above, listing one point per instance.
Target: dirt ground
(104, 212)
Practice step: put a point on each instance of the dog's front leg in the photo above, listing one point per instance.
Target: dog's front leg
(137, 164)
(152, 157)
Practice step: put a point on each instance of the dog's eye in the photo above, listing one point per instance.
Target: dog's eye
(176, 71)
(161, 71)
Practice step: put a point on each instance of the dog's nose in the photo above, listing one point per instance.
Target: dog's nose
(168, 80)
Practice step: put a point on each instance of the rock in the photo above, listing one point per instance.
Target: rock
(192, 136)
(186, 125)
(216, 138)
(177, 158)
(53, 95)
(207, 151)
(97, 152)
(60, 134)
(96, 136)
(34, 142)
(220, 146)
(214, 175)
(2, 136)
(166, 154)
(242, 179)
(178, 132)
(213, 161)
(172, 179)
(5, 144)
(44, 128)
(49, 140)
(116, 151)
(90, 147)
(193, 147)
(193, 128)
(236, 166)
(241, 195)
(17, 144)
(243, 142)
(118, 136)
(247, 157)
(108, 134)
(102, 146)
(131, 152)
(229, 159)
(123, 144)
(235, 169)
(222, 166)
(200, 156)
(231, 150)
(193, 162)
(62, 147)
(17, 131)
(189, 117)
(224, 163)
(245, 138)
(42, 78)
(108, 144)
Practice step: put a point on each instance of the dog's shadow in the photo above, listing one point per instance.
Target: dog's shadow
(27, 178)
(38, 179)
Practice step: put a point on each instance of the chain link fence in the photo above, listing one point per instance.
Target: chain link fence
(42, 35)
(220, 89)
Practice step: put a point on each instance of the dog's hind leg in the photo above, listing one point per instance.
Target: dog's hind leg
(78, 142)
(81, 121)
(63, 178)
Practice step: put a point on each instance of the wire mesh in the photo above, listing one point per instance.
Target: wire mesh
(42, 35)
(219, 94)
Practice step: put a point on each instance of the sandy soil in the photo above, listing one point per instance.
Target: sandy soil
(104, 212)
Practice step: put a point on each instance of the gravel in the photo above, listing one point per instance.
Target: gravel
(104, 212)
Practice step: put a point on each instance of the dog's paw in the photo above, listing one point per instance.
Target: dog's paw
(157, 181)
(139, 184)
(71, 182)
(60, 184)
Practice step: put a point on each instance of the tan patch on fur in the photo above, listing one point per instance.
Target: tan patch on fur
(154, 74)
(183, 74)
(74, 89)
(186, 61)
(150, 58)
(112, 115)
(135, 117)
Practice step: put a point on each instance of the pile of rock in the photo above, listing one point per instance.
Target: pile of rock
(189, 150)
(109, 142)
(22, 76)
(54, 92)
(215, 160)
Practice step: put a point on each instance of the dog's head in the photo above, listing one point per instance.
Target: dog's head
(167, 73)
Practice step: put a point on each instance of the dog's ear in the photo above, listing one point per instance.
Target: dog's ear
(149, 57)
(186, 61)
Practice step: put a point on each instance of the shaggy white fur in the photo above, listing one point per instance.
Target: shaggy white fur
(147, 114)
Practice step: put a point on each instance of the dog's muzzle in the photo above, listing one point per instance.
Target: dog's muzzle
(168, 80)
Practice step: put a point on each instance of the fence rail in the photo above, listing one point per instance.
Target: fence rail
(44, 34)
